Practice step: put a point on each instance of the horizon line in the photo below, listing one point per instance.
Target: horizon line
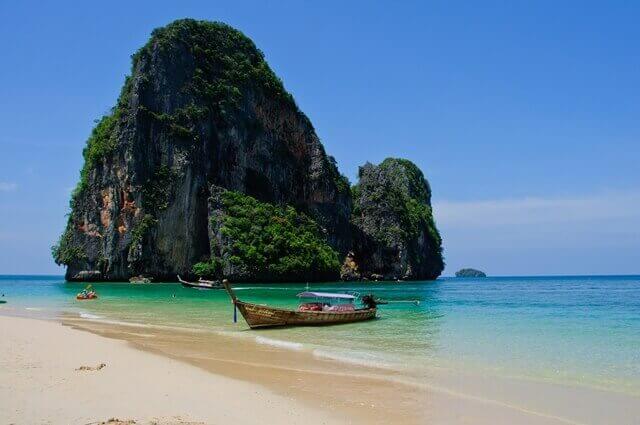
(439, 277)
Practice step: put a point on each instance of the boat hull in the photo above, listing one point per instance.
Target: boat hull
(259, 316)
(200, 286)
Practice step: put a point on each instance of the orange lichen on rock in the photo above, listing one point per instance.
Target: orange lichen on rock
(88, 229)
(127, 202)
(122, 227)
(105, 217)
(106, 197)
(92, 230)
(107, 204)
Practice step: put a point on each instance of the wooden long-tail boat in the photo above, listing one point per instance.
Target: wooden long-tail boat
(200, 284)
(262, 316)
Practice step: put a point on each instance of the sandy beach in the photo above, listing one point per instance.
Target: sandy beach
(361, 213)
(40, 383)
(159, 376)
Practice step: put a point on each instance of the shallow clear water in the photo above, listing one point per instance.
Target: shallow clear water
(578, 330)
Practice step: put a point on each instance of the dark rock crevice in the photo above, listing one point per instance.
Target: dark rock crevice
(202, 105)
(203, 109)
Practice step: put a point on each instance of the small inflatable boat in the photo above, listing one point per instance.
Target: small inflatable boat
(87, 296)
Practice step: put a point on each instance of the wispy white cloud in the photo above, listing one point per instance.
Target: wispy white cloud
(596, 234)
(8, 187)
(609, 206)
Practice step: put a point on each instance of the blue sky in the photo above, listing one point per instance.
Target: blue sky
(524, 116)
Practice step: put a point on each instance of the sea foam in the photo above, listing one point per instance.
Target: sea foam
(358, 359)
(279, 343)
(90, 316)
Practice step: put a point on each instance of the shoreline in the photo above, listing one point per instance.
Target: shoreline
(40, 382)
(316, 383)
(369, 394)
(351, 393)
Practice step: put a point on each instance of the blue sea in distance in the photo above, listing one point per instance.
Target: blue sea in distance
(582, 330)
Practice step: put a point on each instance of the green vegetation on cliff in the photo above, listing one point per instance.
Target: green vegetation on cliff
(141, 229)
(103, 139)
(270, 240)
(156, 191)
(209, 269)
(343, 185)
(100, 143)
(225, 62)
(65, 252)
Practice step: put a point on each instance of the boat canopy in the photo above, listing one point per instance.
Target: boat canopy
(325, 295)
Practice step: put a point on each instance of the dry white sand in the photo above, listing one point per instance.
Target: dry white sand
(40, 384)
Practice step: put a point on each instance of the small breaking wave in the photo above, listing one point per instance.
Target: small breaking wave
(232, 334)
(279, 343)
(99, 319)
(90, 316)
(358, 359)
(257, 287)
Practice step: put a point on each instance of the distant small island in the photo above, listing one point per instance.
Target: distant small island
(470, 273)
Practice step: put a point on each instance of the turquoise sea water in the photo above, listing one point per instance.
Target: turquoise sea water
(579, 330)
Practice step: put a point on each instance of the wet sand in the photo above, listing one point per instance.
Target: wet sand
(205, 377)
(363, 394)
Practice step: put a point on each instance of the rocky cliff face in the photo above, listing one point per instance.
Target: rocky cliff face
(395, 236)
(200, 109)
(207, 164)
